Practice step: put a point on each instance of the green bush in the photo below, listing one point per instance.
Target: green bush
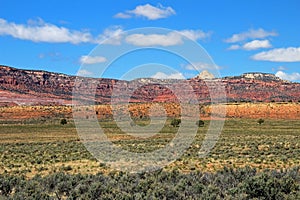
(260, 121)
(63, 121)
(229, 183)
(200, 123)
(175, 122)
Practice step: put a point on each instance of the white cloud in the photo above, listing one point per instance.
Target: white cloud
(290, 54)
(122, 16)
(39, 31)
(43, 32)
(84, 72)
(169, 39)
(112, 35)
(251, 34)
(161, 75)
(92, 59)
(195, 34)
(36, 22)
(148, 11)
(290, 77)
(234, 47)
(257, 44)
(199, 66)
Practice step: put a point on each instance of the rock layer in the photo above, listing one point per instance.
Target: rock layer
(29, 87)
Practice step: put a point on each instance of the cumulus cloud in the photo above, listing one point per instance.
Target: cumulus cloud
(38, 21)
(43, 32)
(169, 39)
(290, 77)
(199, 66)
(148, 11)
(111, 35)
(250, 34)
(122, 16)
(257, 44)
(195, 34)
(290, 54)
(92, 59)
(40, 31)
(253, 45)
(161, 75)
(234, 47)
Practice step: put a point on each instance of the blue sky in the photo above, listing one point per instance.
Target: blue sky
(240, 36)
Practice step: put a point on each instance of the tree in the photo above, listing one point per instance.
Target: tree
(260, 121)
(175, 122)
(63, 121)
(200, 123)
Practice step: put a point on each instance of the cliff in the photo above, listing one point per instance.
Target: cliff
(29, 87)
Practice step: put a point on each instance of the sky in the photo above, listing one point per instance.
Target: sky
(112, 39)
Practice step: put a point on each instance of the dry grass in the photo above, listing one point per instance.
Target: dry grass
(44, 148)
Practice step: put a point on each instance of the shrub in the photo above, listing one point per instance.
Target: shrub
(175, 122)
(229, 183)
(200, 123)
(63, 121)
(260, 121)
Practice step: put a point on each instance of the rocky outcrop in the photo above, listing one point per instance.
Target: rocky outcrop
(261, 87)
(46, 88)
(205, 75)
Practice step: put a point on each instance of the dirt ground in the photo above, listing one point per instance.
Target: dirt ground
(233, 110)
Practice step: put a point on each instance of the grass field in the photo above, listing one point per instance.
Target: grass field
(31, 149)
(43, 159)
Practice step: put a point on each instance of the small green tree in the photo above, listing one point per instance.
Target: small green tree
(200, 123)
(63, 121)
(260, 121)
(175, 122)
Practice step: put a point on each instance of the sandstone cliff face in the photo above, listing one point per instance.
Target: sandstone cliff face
(28, 86)
(264, 88)
(46, 88)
